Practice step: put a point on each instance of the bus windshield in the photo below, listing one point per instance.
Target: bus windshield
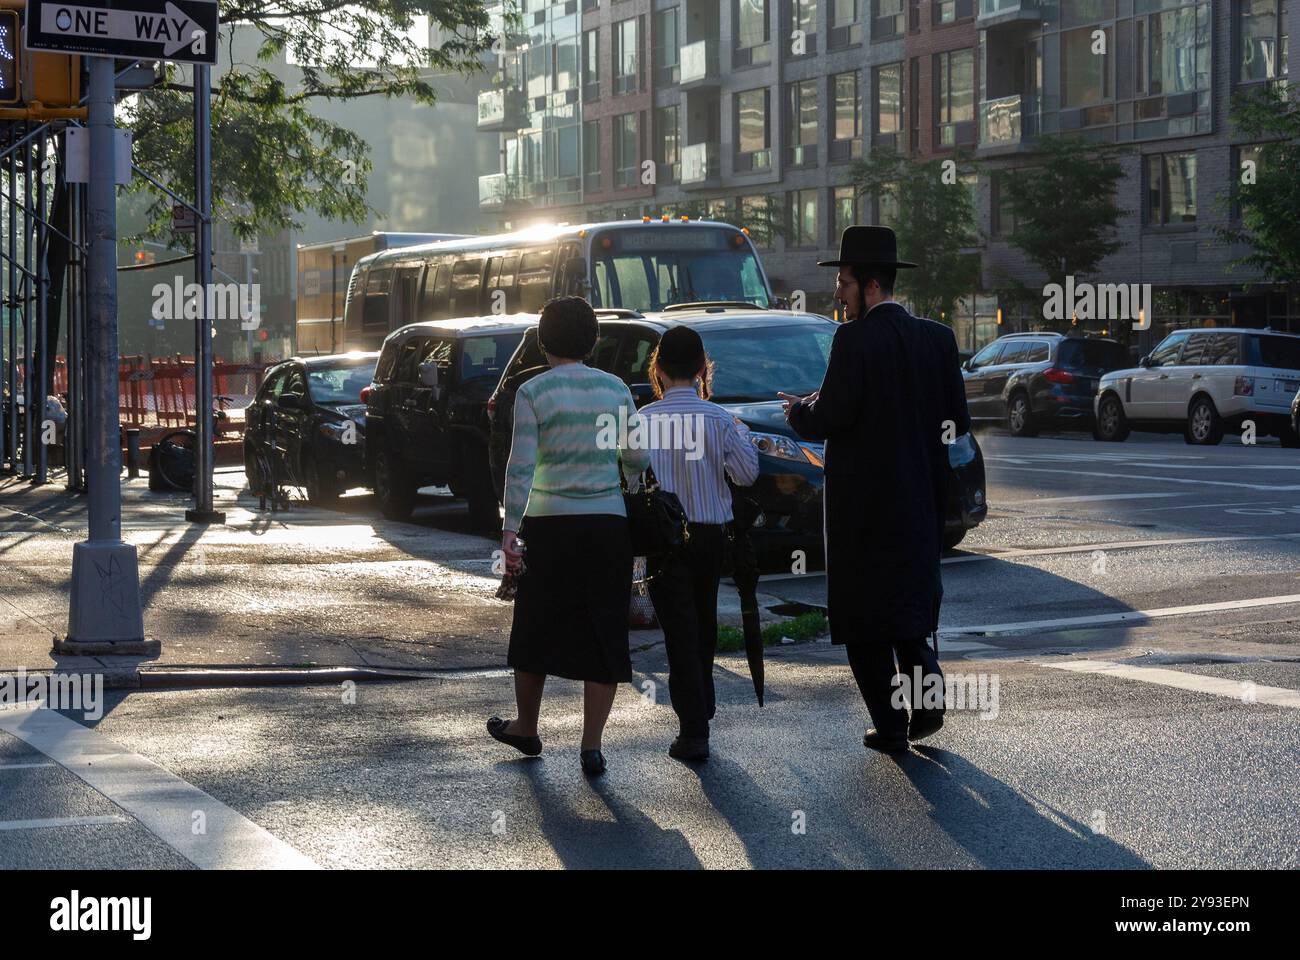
(650, 268)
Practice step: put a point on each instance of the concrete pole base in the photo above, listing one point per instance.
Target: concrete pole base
(205, 516)
(105, 605)
(64, 647)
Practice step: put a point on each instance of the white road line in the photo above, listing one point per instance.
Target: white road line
(1126, 616)
(164, 804)
(62, 822)
(1095, 498)
(1195, 682)
(1137, 476)
(26, 766)
(1017, 553)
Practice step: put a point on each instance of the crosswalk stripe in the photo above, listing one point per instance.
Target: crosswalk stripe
(62, 822)
(1241, 691)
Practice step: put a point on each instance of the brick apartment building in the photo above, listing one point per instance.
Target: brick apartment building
(753, 109)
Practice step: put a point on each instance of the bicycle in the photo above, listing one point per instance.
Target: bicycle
(172, 457)
(262, 464)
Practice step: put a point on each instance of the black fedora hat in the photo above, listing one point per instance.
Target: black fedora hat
(872, 246)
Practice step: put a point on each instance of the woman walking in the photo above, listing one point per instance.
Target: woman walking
(563, 500)
(684, 588)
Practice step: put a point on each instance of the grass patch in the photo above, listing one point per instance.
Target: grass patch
(806, 626)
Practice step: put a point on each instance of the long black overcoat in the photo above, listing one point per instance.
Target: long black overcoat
(892, 394)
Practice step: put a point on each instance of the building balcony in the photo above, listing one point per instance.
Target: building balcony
(700, 165)
(497, 190)
(996, 13)
(501, 110)
(699, 66)
(1000, 122)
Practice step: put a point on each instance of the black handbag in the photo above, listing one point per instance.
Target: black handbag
(656, 521)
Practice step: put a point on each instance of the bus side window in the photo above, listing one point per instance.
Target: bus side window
(501, 276)
(408, 283)
(374, 312)
(442, 292)
(427, 289)
(467, 287)
(535, 278)
(352, 302)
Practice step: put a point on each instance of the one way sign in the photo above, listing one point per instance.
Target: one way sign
(136, 29)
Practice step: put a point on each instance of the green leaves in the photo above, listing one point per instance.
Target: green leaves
(272, 157)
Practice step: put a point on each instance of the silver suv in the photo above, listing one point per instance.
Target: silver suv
(1204, 382)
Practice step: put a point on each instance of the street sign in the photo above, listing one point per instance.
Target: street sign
(184, 30)
(183, 219)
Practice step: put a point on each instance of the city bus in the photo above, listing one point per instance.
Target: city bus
(642, 265)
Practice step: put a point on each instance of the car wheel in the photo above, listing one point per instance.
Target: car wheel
(1020, 418)
(1204, 425)
(1112, 425)
(953, 537)
(322, 488)
(1289, 437)
(480, 488)
(394, 490)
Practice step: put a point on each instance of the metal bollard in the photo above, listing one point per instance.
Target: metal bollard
(132, 452)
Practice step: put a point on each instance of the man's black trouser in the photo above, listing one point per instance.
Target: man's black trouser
(684, 591)
(872, 660)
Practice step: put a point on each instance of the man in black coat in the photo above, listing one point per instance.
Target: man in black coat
(891, 401)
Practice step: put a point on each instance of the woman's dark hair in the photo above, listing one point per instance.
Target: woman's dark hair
(568, 328)
(680, 355)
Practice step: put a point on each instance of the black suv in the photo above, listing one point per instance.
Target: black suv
(426, 412)
(757, 353)
(1036, 380)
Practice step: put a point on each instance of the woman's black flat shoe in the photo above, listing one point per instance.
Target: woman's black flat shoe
(593, 762)
(529, 746)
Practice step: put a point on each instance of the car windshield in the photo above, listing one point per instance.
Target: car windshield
(1100, 355)
(340, 383)
(487, 356)
(1282, 353)
(753, 363)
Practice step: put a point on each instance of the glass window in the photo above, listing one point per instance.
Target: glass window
(374, 310)
(751, 23)
(1167, 352)
(1280, 353)
(955, 90)
(566, 64)
(633, 364)
(888, 16)
(1101, 356)
(590, 64)
(626, 153)
(845, 28)
(801, 213)
(848, 106)
(888, 208)
(754, 362)
(1194, 352)
(1222, 349)
(535, 268)
(987, 355)
(667, 44)
(803, 16)
(844, 211)
(802, 106)
(889, 98)
(1075, 12)
(1014, 351)
(1037, 353)
(669, 133)
(487, 356)
(1171, 188)
(1174, 51)
(627, 54)
(1262, 29)
(752, 120)
(591, 147)
(1085, 76)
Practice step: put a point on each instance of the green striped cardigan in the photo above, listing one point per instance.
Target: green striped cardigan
(561, 460)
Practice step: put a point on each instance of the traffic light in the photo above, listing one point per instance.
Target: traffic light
(10, 41)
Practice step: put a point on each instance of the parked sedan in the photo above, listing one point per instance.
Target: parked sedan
(757, 353)
(307, 424)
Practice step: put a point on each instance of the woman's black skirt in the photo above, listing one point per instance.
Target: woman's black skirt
(571, 611)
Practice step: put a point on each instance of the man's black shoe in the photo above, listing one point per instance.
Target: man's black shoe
(924, 723)
(895, 743)
(689, 748)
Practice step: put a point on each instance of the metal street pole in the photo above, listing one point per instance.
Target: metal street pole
(105, 611)
(203, 448)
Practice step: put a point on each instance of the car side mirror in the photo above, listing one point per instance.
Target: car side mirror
(642, 393)
(429, 374)
(291, 401)
(575, 269)
(1145, 361)
(965, 365)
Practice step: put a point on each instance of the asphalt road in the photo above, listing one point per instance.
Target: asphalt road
(1137, 605)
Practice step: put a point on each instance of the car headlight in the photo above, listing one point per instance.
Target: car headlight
(779, 446)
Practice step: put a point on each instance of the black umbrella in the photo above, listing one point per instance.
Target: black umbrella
(754, 652)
